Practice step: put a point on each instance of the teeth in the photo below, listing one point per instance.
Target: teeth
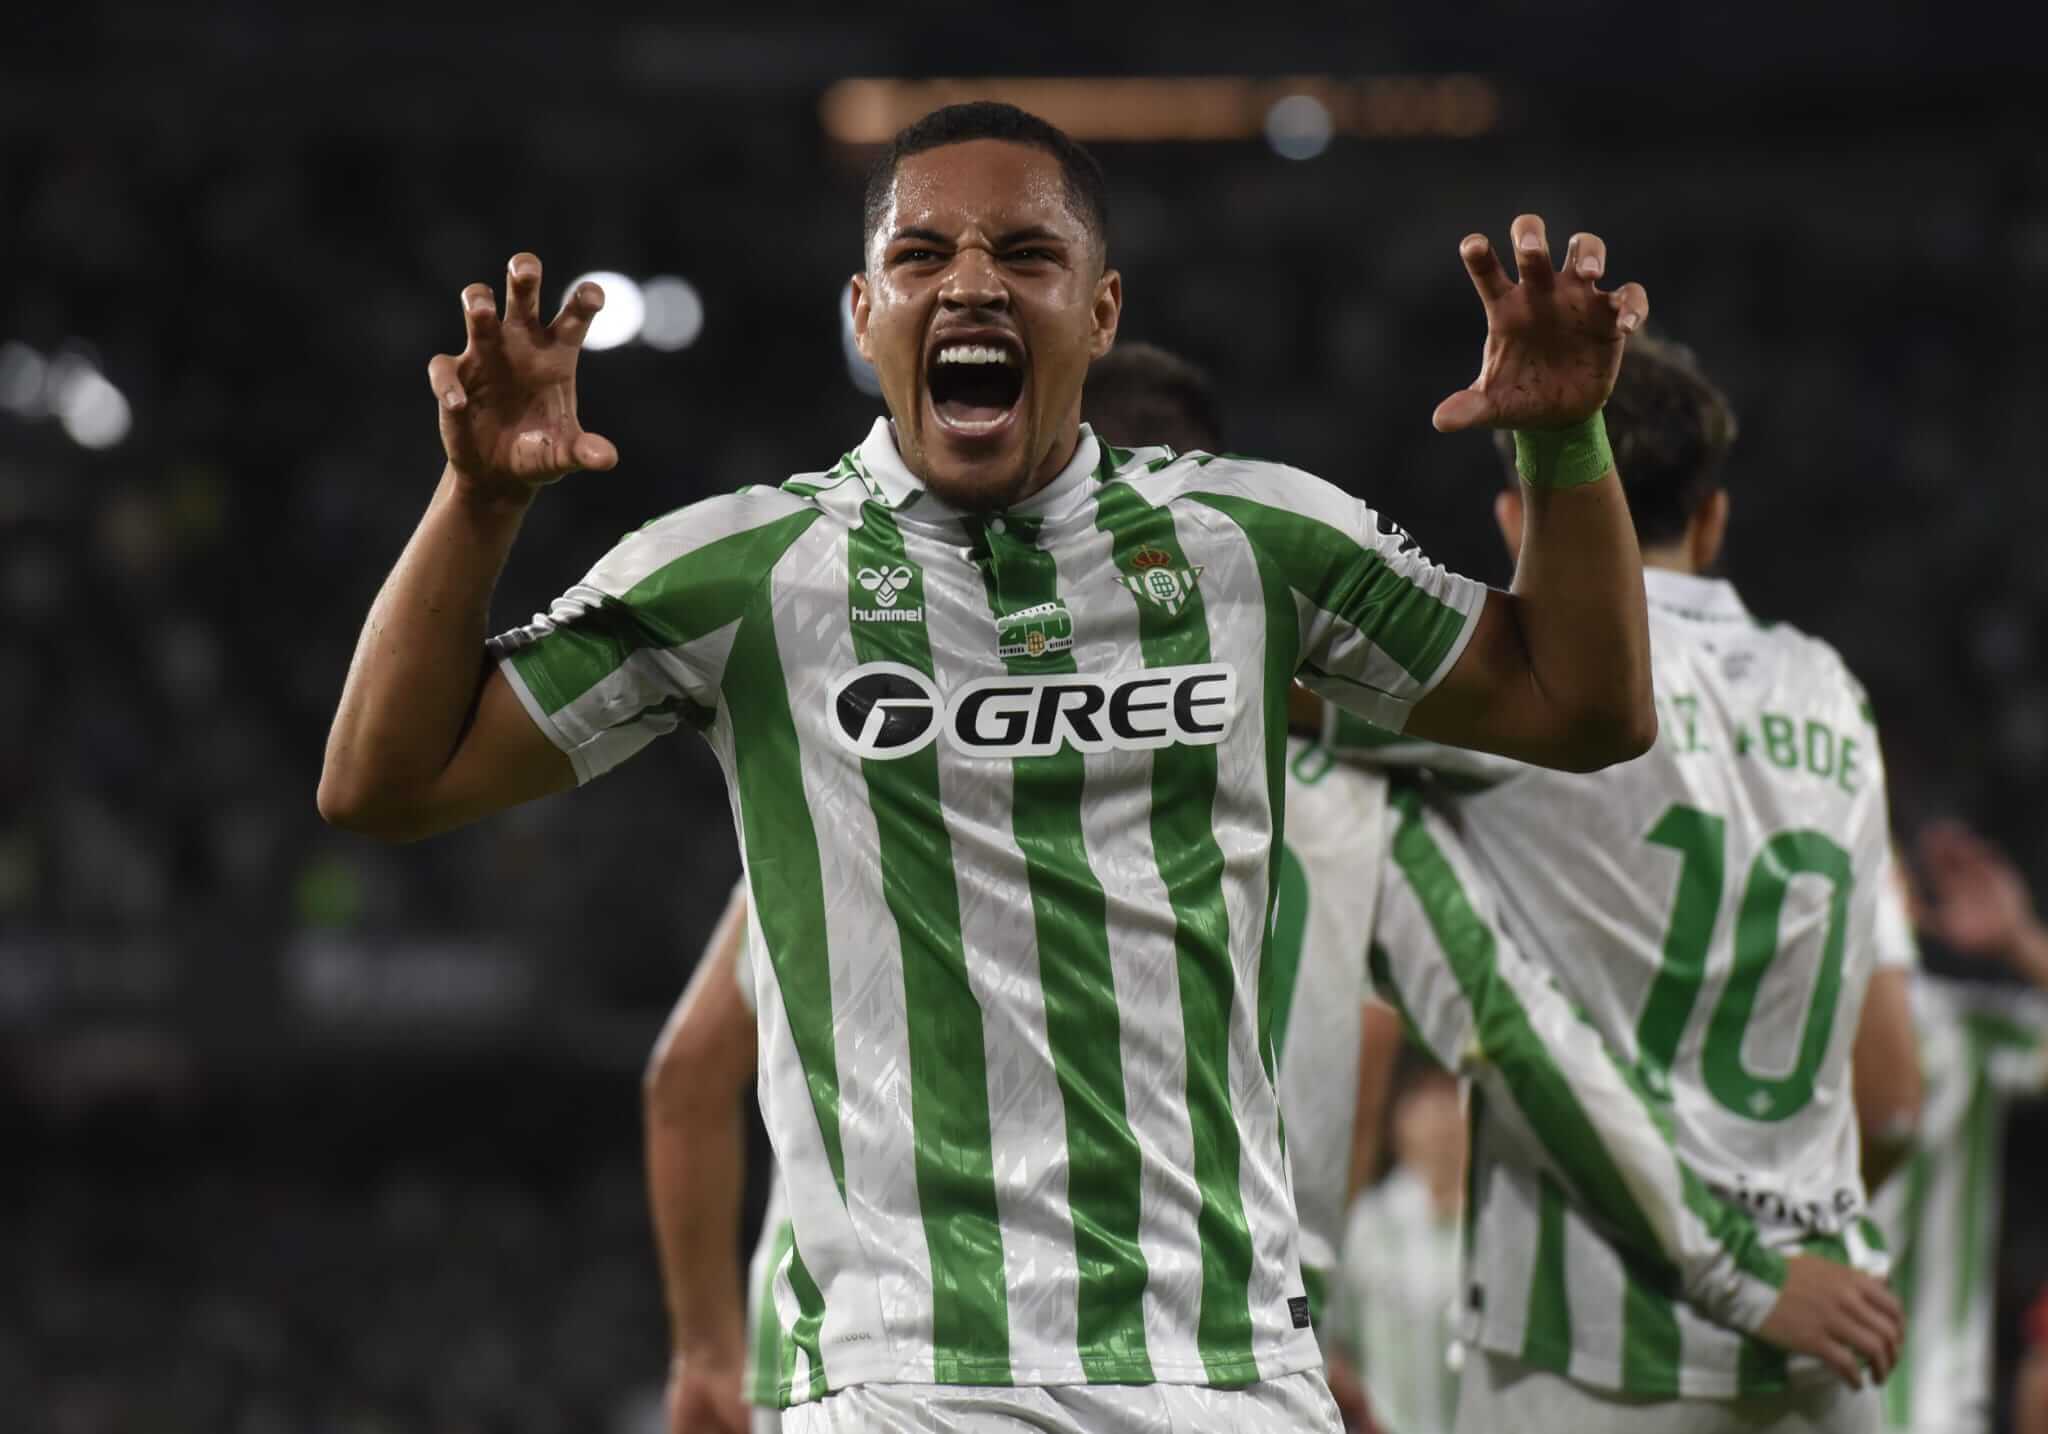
(975, 353)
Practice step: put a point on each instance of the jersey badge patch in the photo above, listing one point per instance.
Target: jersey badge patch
(1036, 631)
(1158, 581)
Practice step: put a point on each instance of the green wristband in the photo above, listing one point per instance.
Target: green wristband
(1563, 457)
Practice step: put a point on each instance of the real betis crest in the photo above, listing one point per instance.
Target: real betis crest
(1158, 579)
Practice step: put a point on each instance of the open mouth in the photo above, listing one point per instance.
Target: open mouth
(975, 387)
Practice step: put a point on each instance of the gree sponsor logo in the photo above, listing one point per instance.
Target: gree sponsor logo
(883, 590)
(885, 710)
(1036, 631)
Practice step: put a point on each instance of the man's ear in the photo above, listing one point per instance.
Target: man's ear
(1708, 530)
(1109, 309)
(857, 295)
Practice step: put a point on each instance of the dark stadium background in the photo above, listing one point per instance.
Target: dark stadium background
(303, 1133)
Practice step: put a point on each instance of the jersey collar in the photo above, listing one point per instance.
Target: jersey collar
(1690, 595)
(891, 480)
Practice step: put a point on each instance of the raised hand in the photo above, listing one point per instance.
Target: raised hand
(1977, 902)
(508, 400)
(1842, 1317)
(1553, 339)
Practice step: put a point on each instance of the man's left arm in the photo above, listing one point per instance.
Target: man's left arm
(1557, 668)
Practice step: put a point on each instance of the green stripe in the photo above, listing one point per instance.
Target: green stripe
(1760, 1368)
(782, 862)
(1650, 1345)
(953, 1152)
(1083, 1023)
(1315, 1283)
(1547, 1331)
(1980, 1143)
(810, 1318)
(1191, 867)
(1350, 733)
(679, 602)
(1352, 582)
(1288, 931)
(1541, 1089)
(764, 1386)
(1898, 1390)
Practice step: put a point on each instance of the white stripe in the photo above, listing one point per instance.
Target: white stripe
(1243, 820)
(1027, 1117)
(1116, 828)
(884, 1292)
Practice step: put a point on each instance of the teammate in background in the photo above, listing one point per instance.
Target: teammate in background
(1711, 906)
(1981, 1045)
(2030, 1387)
(1396, 1307)
(998, 1206)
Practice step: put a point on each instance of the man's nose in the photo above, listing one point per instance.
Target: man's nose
(973, 283)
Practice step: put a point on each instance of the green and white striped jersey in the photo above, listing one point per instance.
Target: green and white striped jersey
(1711, 907)
(1397, 1298)
(1980, 1046)
(1007, 788)
(1329, 884)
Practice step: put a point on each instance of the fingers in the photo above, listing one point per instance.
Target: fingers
(1484, 267)
(593, 452)
(577, 311)
(1631, 306)
(1467, 408)
(522, 289)
(443, 377)
(479, 314)
(1585, 257)
(1842, 1360)
(1532, 251)
(541, 453)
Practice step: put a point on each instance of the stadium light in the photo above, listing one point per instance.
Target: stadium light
(674, 313)
(1299, 127)
(92, 411)
(624, 311)
(24, 380)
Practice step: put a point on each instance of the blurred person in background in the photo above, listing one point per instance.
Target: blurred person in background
(799, 627)
(2030, 1385)
(1982, 1044)
(1766, 779)
(1396, 1304)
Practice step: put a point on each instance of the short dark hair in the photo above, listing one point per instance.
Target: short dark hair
(1087, 190)
(1671, 430)
(1138, 394)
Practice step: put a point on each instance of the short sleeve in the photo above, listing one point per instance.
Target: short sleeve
(1381, 624)
(640, 644)
(1895, 945)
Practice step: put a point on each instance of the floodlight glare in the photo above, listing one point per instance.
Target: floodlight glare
(625, 309)
(675, 313)
(1299, 127)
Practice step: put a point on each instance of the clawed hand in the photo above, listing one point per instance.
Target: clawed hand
(1553, 340)
(508, 400)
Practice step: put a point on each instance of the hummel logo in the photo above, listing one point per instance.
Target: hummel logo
(886, 584)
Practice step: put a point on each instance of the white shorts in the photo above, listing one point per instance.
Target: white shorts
(1496, 1393)
(1292, 1404)
(767, 1421)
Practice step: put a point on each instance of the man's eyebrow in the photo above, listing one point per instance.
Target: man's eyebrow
(1030, 233)
(912, 231)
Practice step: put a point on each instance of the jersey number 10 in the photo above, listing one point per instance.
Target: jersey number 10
(1701, 841)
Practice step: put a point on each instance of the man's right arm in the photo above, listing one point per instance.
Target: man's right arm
(696, 1166)
(427, 735)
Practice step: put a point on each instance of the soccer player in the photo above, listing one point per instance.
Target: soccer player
(1981, 1045)
(1397, 1283)
(1711, 906)
(1001, 713)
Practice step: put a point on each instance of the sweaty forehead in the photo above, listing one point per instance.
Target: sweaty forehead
(990, 185)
